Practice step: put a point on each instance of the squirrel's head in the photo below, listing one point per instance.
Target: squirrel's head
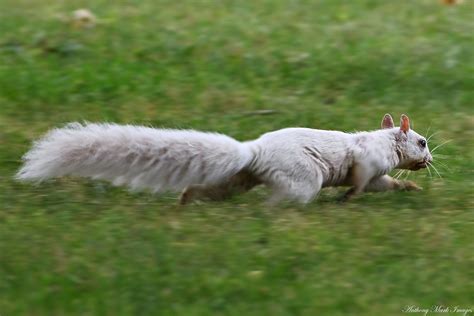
(412, 148)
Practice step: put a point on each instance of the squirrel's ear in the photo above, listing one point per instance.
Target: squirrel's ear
(404, 123)
(387, 121)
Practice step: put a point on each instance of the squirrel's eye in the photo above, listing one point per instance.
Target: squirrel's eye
(422, 143)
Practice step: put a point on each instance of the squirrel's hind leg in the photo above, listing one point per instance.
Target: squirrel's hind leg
(303, 191)
(360, 175)
(241, 182)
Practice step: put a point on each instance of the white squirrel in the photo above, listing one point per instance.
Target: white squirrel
(294, 162)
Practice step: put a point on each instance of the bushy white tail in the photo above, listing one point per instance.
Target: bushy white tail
(140, 157)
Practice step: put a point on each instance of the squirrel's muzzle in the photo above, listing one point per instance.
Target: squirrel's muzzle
(422, 164)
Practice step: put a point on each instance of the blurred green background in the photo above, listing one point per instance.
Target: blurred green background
(79, 247)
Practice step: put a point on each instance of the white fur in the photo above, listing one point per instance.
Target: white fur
(140, 157)
(294, 162)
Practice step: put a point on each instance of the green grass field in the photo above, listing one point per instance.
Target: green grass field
(79, 247)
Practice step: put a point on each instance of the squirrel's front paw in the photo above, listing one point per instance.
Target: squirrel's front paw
(411, 186)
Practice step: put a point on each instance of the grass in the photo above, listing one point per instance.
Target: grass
(74, 246)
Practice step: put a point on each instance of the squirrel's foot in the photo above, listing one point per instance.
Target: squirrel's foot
(408, 185)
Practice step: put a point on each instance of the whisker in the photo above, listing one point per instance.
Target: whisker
(428, 130)
(440, 156)
(431, 176)
(397, 173)
(444, 165)
(408, 174)
(400, 173)
(432, 135)
(436, 170)
(442, 144)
